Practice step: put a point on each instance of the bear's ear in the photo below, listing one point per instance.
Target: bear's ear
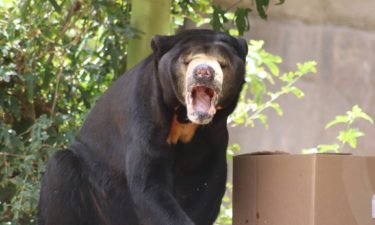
(161, 44)
(243, 46)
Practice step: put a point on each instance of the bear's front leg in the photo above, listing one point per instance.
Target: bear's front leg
(148, 171)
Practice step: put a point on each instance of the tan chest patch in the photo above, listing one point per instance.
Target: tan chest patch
(183, 132)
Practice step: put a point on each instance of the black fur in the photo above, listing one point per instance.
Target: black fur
(121, 171)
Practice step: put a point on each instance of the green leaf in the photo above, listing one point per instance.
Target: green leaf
(350, 136)
(261, 8)
(232, 149)
(328, 148)
(338, 119)
(264, 120)
(277, 108)
(218, 18)
(241, 20)
(280, 2)
(297, 92)
(288, 77)
(249, 122)
(215, 22)
(307, 67)
(274, 69)
(350, 117)
(357, 112)
(286, 89)
(257, 88)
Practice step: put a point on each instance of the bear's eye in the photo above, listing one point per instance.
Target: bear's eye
(186, 62)
(223, 65)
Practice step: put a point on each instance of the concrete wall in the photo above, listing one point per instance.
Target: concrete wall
(340, 36)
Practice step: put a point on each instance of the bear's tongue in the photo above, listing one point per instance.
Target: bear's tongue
(202, 99)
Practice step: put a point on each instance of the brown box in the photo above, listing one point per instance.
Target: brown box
(318, 189)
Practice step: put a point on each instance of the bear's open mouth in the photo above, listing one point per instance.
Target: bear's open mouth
(202, 98)
(201, 102)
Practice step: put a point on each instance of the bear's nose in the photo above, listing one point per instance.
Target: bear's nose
(203, 72)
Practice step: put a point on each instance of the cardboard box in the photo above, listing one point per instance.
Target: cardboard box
(318, 189)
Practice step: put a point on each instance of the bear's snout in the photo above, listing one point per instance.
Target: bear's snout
(203, 72)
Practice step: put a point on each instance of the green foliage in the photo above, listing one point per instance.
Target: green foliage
(194, 10)
(232, 150)
(350, 117)
(262, 68)
(348, 135)
(223, 20)
(262, 7)
(233, 20)
(56, 58)
(23, 158)
(225, 216)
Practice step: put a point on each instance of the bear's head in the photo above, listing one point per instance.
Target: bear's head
(201, 70)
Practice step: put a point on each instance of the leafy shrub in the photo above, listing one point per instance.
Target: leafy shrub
(348, 135)
(56, 59)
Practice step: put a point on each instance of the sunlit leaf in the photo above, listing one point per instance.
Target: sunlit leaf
(257, 88)
(277, 108)
(357, 112)
(309, 151)
(350, 136)
(328, 148)
(307, 67)
(263, 119)
(338, 119)
(273, 68)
